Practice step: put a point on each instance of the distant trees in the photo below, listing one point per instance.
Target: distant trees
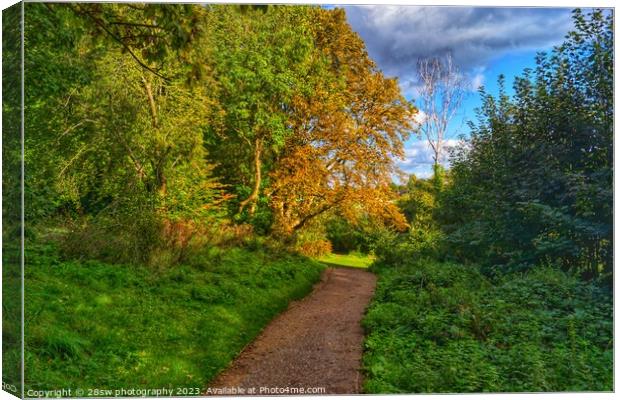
(535, 184)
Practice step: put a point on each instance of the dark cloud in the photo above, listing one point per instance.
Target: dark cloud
(397, 36)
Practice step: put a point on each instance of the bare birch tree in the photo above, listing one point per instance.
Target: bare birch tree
(442, 88)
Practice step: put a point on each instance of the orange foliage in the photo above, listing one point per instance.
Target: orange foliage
(346, 134)
(315, 248)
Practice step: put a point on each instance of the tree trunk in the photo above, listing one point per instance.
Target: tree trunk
(162, 182)
(253, 198)
(151, 99)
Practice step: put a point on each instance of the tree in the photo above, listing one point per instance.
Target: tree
(124, 147)
(441, 92)
(285, 108)
(261, 59)
(535, 183)
(346, 133)
(149, 33)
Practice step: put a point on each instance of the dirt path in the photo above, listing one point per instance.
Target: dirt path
(315, 343)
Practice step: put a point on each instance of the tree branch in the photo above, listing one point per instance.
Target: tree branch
(101, 25)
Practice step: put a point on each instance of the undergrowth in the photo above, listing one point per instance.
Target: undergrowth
(441, 327)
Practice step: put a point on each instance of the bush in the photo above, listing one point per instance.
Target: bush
(445, 327)
(315, 248)
(116, 239)
(393, 248)
(312, 240)
(534, 184)
(345, 237)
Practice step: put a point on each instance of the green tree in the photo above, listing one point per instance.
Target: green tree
(261, 60)
(124, 148)
(535, 182)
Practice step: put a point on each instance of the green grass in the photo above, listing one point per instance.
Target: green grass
(90, 324)
(347, 260)
(440, 327)
(11, 315)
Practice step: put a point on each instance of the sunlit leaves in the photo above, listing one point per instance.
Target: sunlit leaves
(346, 133)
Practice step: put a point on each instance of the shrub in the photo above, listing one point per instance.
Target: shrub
(445, 327)
(112, 238)
(345, 237)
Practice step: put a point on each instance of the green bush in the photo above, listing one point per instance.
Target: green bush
(110, 238)
(444, 327)
(345, 237)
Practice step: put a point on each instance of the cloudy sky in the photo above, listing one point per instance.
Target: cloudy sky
(484, 43)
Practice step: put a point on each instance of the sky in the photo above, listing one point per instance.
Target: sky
(483, 42)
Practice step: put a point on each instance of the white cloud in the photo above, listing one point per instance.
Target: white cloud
(477, 81)
(419, 118)
(419, 157)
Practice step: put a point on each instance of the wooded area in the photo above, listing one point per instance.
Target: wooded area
(164, 125)
(197, 155)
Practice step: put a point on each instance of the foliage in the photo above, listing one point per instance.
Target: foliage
(312, 241)
(96, 325)
(124, 148)
(315, 248)
(347, 237)
(347, 130)
(261, 59)
(534, 183)
(419, 202)
(529, 198)
(188, 112)
(442, 327)
(11, 199)
(150, 34)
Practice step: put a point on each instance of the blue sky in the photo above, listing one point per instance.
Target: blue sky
(484, 43)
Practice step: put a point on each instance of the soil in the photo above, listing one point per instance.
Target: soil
(315, 344)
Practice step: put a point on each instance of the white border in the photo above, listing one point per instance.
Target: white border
(488, 3)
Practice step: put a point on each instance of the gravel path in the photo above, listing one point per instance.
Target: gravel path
(315, 343)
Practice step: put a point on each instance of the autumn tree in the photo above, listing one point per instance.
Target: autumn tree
(346, 135)
(285, 108)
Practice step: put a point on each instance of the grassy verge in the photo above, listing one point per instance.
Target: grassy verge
(11, 316)
(440, 327)
(96, 325)
(347, 260)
